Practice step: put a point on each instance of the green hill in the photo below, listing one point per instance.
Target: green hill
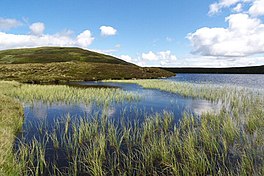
(55, 54)
(62, 64)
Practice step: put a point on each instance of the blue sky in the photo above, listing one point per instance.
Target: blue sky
(148, 33)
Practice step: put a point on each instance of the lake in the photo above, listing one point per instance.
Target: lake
(150, 102)
(255, 81)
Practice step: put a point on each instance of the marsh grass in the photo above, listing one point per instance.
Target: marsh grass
(62, 93)
(209, 145)
(226, 143)
(11, 120)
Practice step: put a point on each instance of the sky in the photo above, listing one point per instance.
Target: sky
(169, 33)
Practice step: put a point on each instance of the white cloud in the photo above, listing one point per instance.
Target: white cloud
(107, 31)
(243, 37)
(37, 28)
(85, 38)
(150, 56)
(257, 9)
(217, 62)
(7, 23)
(167, 58)
(126, 58)
(238, 8)
(218, 6)
(162, 58)
(9, 41)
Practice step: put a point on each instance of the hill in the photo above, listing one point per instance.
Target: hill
(63, 64)
(230, 70)
(55, 54)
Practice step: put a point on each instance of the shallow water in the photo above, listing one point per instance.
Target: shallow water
(151, 102)
(40, 116)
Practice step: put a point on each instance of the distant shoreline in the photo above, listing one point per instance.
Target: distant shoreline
(230, 70)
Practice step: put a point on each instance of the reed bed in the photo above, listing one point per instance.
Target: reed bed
(226, 143)
(63, 93)
(209, 145)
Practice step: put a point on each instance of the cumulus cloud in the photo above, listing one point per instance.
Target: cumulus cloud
(257, 9)
(37, 28)
(218, 6)
(108, 31)
(7, 23)
(150, 56)
(243, 37)
(85, 38)
(37, 38)
(162, 58)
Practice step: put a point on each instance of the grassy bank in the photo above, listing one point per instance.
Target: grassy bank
(11, 119)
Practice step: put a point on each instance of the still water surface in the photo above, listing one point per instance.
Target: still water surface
(255, 81)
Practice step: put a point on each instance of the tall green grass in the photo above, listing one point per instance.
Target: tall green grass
(209, 145)
(11, 120)
(63, 93)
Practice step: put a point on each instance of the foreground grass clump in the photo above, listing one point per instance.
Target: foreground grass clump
(11, 120)
(210, 145)
(63, 93)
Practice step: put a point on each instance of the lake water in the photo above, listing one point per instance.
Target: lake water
(150, 103)
(255, 81)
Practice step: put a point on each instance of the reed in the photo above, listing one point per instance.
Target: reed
(62, 93)
(210, 145)
(11, 120)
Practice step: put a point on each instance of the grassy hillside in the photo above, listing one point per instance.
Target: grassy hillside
(55, 54)
(57, 64)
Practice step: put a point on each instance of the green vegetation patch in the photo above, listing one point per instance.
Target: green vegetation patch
(63, 93)
(11, 120)
(226, 143)
(75, 71)
(55, 54)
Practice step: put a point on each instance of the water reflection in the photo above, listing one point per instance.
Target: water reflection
(151, 102)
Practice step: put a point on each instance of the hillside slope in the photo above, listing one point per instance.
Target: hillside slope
(58, 64)
(55, 54)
